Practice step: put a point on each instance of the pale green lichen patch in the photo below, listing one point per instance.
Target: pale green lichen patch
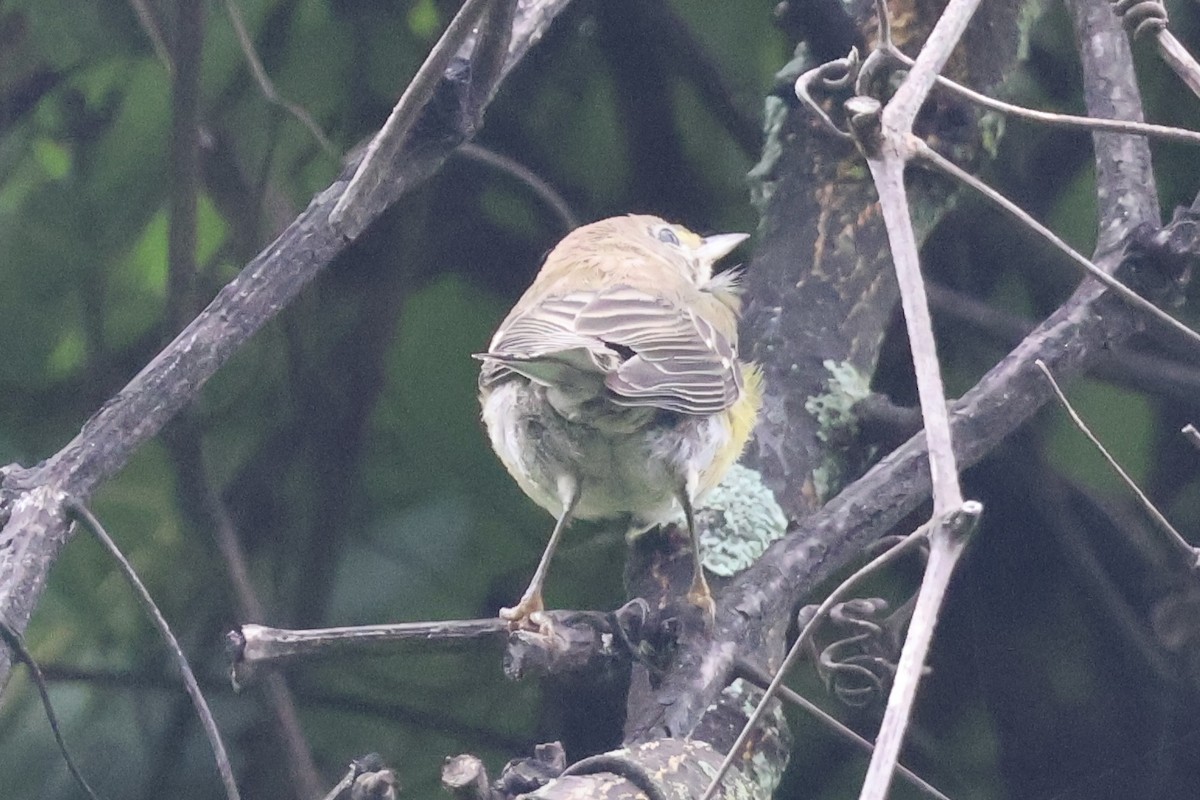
(737, 521)
(991, 131)
(766, 772)
(834, 409)
(761, 769)
(826, 477)
(775, 111)
(761, 176)
(834, 412)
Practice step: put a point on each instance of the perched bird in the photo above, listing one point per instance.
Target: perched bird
(613, 391)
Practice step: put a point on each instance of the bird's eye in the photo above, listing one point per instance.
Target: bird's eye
(667, 235)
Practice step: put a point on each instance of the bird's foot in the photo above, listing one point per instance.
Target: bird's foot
(526, 614)
(700, 596)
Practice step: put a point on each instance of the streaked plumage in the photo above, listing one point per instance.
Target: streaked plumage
(613, 389)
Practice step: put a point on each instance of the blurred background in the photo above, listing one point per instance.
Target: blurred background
(344, 440)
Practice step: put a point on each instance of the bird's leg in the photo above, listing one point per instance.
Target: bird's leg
(698, 594)
(531, 603)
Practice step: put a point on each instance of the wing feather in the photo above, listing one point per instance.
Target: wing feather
(649, 351)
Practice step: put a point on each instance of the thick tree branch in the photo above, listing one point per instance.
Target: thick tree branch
(35, 529)
(820, 295)
(1069, 341)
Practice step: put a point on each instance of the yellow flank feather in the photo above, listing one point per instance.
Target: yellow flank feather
(742, 417)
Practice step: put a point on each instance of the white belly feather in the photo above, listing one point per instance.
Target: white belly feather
(631, 463)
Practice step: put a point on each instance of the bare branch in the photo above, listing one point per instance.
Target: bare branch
(936, 160)
(543, 190)
(267, 86)
(910, 542)
(947, 541)
(889, 178)
(83, 515)
(902, 109)
(387, 142)
(254, 647)
(1191, 555)
(1056, 120)
(1150, 16)
(886, 139)
(1179, 59)
(36, 529)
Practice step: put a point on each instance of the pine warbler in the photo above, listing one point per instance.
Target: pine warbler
(613, 392)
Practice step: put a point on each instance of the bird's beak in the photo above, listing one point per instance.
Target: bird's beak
(719, 245)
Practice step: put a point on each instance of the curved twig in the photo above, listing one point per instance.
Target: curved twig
(267, 86)
(80, 513)
(391, 136)
(938, 161)
(540, 188)
(909, 542)
(16, 644)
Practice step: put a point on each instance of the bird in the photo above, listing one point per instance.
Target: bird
(613, 391)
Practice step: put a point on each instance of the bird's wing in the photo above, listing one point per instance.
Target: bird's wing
(673, 358)
(542, 344)
(647, 351)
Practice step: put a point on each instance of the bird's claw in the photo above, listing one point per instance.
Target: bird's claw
(701, 597)
(528, 614)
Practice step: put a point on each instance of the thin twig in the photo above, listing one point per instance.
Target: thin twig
(947, 541)
(184, 152)
(762, 679)
(16, 644)
(543, 190)
(1181, 545)
(888, 173)
(185, 444)
(391, 136)
(1056, 120)
(909, 542)
(1179, 59)
(902, 109)
(935, 159)
(258, 646)
(80, 513)
(887, 161)
(267, 87)
(1192, 434)
(145, 16)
